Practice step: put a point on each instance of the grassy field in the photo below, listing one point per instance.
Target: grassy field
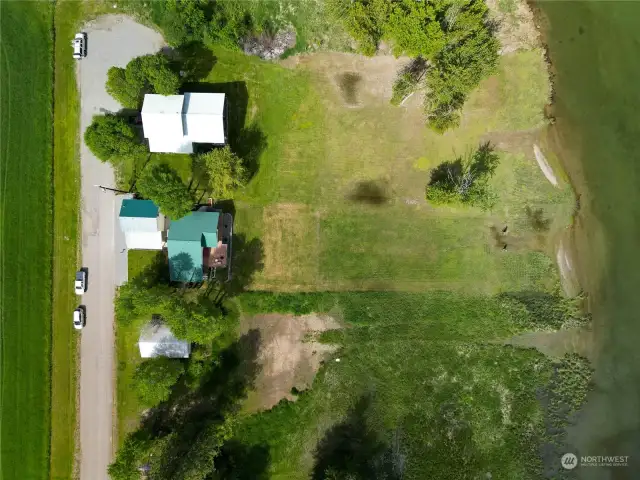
(421, 385)
(427, 294)
(128, 356)
(334, 215)
(66, 188)
(26, 228)
(597, 127)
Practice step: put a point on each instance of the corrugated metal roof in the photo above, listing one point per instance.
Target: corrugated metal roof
(194, 225)
(203, 117)
(138, 208)
(173, 123)
(162, 118)
(143, 240)
(158, 340)
(185, 260)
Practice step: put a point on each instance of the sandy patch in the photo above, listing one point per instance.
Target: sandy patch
(516, 26)
(568, 274)
(544, 165)
(288, 354)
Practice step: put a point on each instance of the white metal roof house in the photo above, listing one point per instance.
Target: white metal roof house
(156, 340)
(173, 123)
(142, 224)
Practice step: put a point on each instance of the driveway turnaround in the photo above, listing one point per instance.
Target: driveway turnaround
(112, 41)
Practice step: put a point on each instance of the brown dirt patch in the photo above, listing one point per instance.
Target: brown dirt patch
(375, 75)
(288, 354)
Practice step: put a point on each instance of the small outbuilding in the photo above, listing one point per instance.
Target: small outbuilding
(173, 123)
(142, 224)
(156, 340)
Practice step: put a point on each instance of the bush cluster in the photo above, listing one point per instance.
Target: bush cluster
(142, 75)
(456, 39)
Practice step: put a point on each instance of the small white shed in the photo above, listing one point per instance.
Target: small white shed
(156, 340)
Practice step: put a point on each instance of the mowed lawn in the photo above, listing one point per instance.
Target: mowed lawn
(337, 198)
(26, 236)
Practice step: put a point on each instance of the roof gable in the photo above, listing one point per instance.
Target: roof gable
(193, 226)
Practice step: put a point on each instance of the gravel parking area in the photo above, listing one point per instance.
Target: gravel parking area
(113, 40)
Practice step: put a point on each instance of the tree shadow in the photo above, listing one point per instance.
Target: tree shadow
(443, 173)
(194, 61)
(249, 145)
(351, 450)
(153, 274)
(243, 462)
(371, 192)
(237, 98)
(178, 423)
(182, 268)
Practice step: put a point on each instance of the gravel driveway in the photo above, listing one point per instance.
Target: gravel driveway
(112, 40)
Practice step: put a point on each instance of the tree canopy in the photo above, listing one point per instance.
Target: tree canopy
(163, 185)
(145, 74)
(110, 138)
(465, 180)
(225, 171)
(154, 378)
(455, 38)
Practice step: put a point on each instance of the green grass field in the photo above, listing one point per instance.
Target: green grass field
(26, 228)
(66, 188)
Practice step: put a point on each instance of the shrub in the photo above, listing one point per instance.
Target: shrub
(154, 378)
(409, 80)
(465, 180)
(111, 138)
(163, 185)
(225, 171)
(145, 74)
(364, 20)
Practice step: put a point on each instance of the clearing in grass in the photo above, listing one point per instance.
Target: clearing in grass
(26, 227)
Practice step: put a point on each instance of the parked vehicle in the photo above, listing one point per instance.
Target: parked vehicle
(79, 44)
(79, 317)
(81, 282)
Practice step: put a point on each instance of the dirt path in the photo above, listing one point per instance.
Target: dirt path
(288, 354)
(112, 40)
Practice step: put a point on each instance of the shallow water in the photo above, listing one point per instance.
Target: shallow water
(595, 47)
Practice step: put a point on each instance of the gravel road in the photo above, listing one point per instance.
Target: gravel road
(112, 40)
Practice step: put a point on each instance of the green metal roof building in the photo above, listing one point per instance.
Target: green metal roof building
(187, 237)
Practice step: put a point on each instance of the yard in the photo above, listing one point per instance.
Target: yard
(334, 221)
(26, 229)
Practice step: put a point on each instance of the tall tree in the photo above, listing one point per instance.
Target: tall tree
(154, 378)
(225, 170)
(365, 20)
(110, 138)
(145, 74)
(465, 180)
(163, 185)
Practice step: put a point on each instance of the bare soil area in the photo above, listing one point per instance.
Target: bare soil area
(289, 355)
(516, 26)
(357, 79)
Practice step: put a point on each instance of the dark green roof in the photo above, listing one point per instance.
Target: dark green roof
(185, 241)
(138, 208)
